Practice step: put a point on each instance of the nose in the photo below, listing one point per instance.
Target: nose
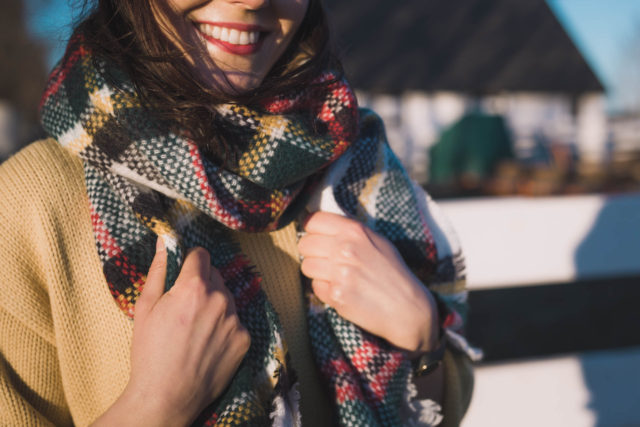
(253, 4)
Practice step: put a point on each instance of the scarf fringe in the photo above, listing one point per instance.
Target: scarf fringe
(286, 409)
(460, 343)
(419, 412)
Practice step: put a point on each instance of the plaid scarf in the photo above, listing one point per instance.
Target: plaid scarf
(146, 182)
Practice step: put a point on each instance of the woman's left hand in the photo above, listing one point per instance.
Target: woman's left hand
(361, 275)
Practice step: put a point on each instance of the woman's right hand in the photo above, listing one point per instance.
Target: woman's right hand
(187, 345)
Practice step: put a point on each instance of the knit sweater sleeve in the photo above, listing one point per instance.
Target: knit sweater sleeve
(31, 391)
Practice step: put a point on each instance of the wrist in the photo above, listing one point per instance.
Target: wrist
(427, 358)
(427, 362)
(431, 333)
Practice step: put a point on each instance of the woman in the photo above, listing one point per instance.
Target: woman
(189, 139)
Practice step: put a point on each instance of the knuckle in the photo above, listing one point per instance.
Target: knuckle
(220, 302)
(246, 343)
(196, 283)
(188, 317)
(216, 277)
(348, 250)
(346, 274)
(306, 267)
(201, 253)
(322, 290)
(357, 230)
(243, 338)
(336, 296)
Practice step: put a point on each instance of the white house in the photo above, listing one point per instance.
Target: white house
(423, 64)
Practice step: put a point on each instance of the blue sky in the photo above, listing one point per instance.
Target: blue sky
(50, 20)
(602, 30)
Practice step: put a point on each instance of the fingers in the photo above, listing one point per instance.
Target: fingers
(333, 284)
(231, 305)
(331, 224)
(338, 226)
(347, 230)
(318, 268)
(322, 289)
(217, 282)
(352, 246)
(196, 268)
(198, 273)
(316, 245)
(192, 332)
(154, 285)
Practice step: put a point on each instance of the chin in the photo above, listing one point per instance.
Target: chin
(237, 82)
(245, 83)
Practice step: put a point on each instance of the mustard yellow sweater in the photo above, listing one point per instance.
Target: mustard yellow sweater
(64, 344)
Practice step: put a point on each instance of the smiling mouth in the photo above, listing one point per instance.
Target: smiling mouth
(238, 39)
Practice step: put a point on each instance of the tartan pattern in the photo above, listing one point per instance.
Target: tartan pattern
(145, 182)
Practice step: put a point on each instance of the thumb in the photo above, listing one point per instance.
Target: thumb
(154, 286)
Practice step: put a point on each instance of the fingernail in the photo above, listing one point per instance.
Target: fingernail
(159, 244)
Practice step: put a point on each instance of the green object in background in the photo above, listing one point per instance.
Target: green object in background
(471, 147)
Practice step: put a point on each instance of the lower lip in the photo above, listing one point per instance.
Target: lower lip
(236, 49)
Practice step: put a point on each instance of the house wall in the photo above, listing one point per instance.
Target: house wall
(415, 120)
(592, 128)
(553, 118)
(625, 132)
(534, 119)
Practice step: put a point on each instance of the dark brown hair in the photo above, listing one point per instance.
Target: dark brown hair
(127, 33)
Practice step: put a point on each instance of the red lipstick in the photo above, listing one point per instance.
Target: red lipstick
(236, 49)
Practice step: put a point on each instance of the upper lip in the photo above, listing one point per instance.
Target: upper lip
(235, 26)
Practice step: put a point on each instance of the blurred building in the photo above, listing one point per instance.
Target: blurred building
(553, 281)
(625, 131)
(22, 79)
(422, 65)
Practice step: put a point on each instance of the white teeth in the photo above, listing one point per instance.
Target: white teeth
(234, 37)
(231, 36)
(243, 38)
(224, 35)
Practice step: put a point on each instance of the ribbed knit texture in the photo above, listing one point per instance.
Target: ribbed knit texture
(64, 344)
(66, 355)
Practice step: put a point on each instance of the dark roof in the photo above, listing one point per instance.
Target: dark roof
(476, 46)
